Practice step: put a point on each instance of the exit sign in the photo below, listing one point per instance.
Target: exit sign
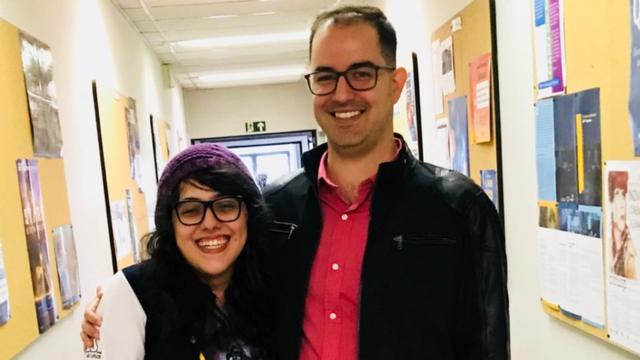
(255, 126)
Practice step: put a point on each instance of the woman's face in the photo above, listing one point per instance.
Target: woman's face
(210, 247)
(619, 206)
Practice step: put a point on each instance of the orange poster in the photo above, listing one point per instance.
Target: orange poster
(480, 75)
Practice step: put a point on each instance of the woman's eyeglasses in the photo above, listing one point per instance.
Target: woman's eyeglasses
(224, 209)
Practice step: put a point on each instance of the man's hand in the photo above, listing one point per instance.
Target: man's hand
(92, 321)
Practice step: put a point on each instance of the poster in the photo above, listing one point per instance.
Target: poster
(589, 154)
(5, 310)
(489, 183)
(622, 234)
(439, 153)
(37, 243)
(548, 214)
(133, 140)
(448, 79)
(412, 115)
(436, 72)
(160, 144)
(549, 47)
(545, 150)
(565, 149)
(121, 232)
(634, 81)
(458, 135)
(570, 268)
(67, 261)
(133, 232)
(480, 98)
(37, 64)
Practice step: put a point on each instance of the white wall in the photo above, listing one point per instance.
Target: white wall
(534, 335)
(91, 40)
(223, 112)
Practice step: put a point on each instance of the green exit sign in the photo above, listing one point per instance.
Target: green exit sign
(255, 126)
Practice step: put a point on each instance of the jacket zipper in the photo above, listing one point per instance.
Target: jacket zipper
(291, 227)
(400, 240)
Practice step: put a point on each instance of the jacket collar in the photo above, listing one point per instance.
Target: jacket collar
(311, 162)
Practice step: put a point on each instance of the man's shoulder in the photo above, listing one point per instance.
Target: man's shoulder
(449, 188)
(446, 181)
(294, 182)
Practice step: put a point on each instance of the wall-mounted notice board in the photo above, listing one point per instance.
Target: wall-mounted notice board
(39, 282)
(465, 77)
(119, 152)
(587, 81)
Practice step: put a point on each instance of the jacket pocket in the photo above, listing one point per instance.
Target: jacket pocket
(421, 240)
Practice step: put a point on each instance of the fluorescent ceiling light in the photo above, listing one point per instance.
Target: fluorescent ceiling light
(246, 40)
(222, 16)
(292, 72)
(264, 13)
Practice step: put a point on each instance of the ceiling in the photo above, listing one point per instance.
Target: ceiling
(221, 43)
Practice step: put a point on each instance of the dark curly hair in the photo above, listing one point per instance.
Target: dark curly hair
(245, 315)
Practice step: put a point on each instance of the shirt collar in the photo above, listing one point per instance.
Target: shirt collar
(323, 174)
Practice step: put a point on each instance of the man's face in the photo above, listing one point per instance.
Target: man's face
(354, 121)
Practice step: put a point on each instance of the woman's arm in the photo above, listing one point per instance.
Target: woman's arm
(122, 333)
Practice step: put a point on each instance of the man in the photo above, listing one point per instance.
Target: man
(375, 254)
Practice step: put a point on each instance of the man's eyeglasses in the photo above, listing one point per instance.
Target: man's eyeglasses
(359, 78)
(224, 209)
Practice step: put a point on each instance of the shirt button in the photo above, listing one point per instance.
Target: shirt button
(333, 316)
(344, 216)
(335, 266)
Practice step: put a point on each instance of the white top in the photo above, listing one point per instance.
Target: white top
(122, 332)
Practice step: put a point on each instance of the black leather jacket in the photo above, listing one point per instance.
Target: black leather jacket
(434, 272)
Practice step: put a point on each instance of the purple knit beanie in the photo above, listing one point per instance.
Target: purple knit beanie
(198, 157)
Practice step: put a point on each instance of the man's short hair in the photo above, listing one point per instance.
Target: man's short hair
(349, 15)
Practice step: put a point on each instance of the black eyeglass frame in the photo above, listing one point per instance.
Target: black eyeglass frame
(208, 205)
(338, 74)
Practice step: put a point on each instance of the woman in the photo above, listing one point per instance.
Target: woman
(201, 294)
(623, 253)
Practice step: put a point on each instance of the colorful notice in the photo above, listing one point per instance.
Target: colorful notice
(67, 261)
(480, 78)
(622, 234)
(448, 70)
(37, 243)
(458, 135)
(121, 231)
(489, 183)
(37, 65)
(545, 150)
(549, 47)
(588, 151)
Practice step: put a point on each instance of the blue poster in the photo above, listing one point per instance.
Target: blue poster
(458, 135)
(545, 150)
(489, 183)
(634, 93)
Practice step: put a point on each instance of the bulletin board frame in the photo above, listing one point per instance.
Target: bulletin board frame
(16, 137)
(598, 56)
(475, 38)
(111, 123)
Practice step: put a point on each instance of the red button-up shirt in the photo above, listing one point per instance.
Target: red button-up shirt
(331, 314)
